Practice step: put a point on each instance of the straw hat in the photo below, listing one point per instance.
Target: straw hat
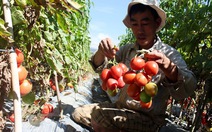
(152, 3)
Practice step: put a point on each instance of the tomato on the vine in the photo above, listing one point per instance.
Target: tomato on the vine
(124, 67)
(146, 105)
(144, 97)
(47, 108)
(105, 74)
(22, 73)
(129, 77)
(12, 117)
(112, 92)
(133, 90)
(121, 82)
(104, 87)
(137, 63)
(116, 71)
(111, 83)
(25, 87)
(141, 79)
(19, 57)
(151, 68)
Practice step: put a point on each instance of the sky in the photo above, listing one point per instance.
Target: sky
(106, 20)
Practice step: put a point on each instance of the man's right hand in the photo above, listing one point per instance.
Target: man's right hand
(106, 49)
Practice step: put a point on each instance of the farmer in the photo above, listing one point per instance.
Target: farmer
(145, 18)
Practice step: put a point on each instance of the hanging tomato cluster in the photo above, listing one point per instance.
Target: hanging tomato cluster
(112, 78)
(139, 79)
(25, 84)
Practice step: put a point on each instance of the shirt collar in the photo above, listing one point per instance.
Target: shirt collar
(157, 45)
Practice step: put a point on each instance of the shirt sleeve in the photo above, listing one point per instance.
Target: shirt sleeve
(98, 69)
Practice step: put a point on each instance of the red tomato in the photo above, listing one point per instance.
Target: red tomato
(121, 82)
(51, 82)
(151, 68)
(22, 73)
(54, 87)
(124, 68)
(111, 83)
(47, 108)
(104, 87)
(20, 56)
(50, 108)
(129, 77)
(133, 90)
(137, 63)
(25, 87)
(141, 79)
(12, 117)
(146, 105)
(116, 71)
(137, 97)
(106, 74)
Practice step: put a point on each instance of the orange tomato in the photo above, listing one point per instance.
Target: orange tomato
(146, 105)
(19, 57)
(25, 87)
(22, 73)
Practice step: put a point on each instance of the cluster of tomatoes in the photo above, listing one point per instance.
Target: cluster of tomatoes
(138, 78)
(112, 78)
(25, 84)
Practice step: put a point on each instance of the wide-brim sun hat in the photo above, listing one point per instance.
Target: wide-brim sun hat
(153, 4)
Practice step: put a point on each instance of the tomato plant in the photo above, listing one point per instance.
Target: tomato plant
(105, 74)
(111, 83)
(133, 90)
(141, 79)
(22, 73)
(151, 68)
(137, 63)
(129, 77)
(25, 87)
(116, 71)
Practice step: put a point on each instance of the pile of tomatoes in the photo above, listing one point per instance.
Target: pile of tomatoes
(25, 84)
(138, 78)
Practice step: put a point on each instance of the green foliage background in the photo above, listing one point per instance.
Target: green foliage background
(53, 36)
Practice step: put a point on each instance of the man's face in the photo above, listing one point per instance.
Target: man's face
(144, 27)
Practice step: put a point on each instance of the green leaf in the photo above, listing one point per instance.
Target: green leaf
(62, 22)
(22, 3)
(18, 17)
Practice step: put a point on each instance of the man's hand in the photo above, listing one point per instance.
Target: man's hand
(106, 49)
(165, 64)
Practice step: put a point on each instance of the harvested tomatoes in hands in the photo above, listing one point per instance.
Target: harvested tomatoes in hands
(139, 78)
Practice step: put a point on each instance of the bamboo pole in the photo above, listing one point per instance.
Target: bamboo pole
(14, 70)
(58, 95)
